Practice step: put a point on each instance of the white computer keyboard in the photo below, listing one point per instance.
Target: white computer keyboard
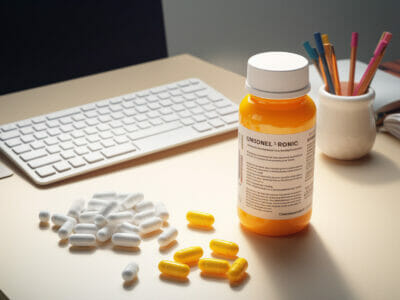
(74, 141)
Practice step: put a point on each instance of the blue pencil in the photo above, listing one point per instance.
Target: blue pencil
(321, 52)
(312, 53)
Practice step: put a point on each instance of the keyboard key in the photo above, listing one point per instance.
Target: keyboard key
(21, 149)
(170, 118)
(9, 135)
(67, 145)
(140, 101)
(214, 97)
(227, 110)
(63, 113)
(128, 121)
(116, 124)
(77, 134)
(172, 86)
(51, 141)
(177, 107)
(194, 81)
(184, 114)
(106, 135)
(166, 111)
(159, 89)
(153, 114)
(143, 93)
(92, 122)
(192, 88)
(128, 105)
(156, 122)
(67, 154)
(107, 143)
(118, 150)
(175, 93)
(118, 99)
(53, 123)
(201, 94)
(154, 106)
(178, 99)
(61, 166)
(216, 123)
(197, 110)
(27, 138)
(40, 135)
(152, 98)
(93, 138)
(66, 120)
(13, 142)
(33, 155)
(81, 150)
(118, 131)
(45, 171)
(121, 139)
(116, 108)
(80, 124)
(104, 111)
(44, 161)
(90, 130)
(78, 118)
(53, 149)
(201, 127)
(143, 125)
(104, 119)
(117, 115)
(40, 127)
(53, 131)
(101, 104)
(24, 123)
(199, 118)
(26, 130)
(163, 96)
(166, 103)
(93, 157)
(140, 118)
(230, 119)
(80, 142)
(190, 97)
(38, 120)
(88, 107)
(131, 128)
(187, 121)
(184, 83)
(91, 114)
(95, 147)
(37, 145)
(77, 162)
(153, 130)
(64, 137)
(103, 127)
(66, 128)
(142, 109)
(190, 104)
(209, 107)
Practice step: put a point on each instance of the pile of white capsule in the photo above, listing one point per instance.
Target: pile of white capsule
(123, 218)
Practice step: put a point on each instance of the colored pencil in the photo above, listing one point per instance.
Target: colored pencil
(336, 78)
(312, 53)
(321, 52)
(353, 57)
(371, 69)
(332, 64)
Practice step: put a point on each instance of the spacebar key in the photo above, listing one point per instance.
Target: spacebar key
(118, 150)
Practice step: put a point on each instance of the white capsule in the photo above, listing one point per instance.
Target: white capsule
(44, 216)
(149, 225)
(76, 208)
(109, 195)
(125, 239)
(161, 211)
(106, 210)
(88, 216)
(167, 236)
(59, 219)
(82, 240)
(105, 233)
(100, 221)
(96, 204)
(143, 215)
(130, 271)
(131, 199)
(128, 227)
(143, 205)
(119, 217)
(86, 228)
(66, 228)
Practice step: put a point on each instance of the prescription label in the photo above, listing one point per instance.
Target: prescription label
(276, 173)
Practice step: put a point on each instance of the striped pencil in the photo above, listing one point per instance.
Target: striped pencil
(321, 52)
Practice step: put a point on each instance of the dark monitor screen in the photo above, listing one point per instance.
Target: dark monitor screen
(45, 41)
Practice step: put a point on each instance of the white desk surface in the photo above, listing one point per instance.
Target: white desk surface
(350, 250)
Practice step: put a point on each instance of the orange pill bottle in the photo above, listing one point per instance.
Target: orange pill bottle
(276, 145)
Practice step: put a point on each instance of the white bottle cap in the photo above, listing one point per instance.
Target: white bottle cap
(277, 75)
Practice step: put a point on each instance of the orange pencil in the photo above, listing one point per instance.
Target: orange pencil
(332, 65)
(336, 79)
(321, 67)
(353, 57)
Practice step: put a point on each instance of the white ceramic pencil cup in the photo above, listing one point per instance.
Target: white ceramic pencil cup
(346, 124)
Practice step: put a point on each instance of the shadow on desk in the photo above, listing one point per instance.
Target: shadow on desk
(374, 168)
(300, 266)
(128, 164)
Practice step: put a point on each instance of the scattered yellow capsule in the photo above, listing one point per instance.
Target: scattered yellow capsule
(188, 255)
(238, 269)
(200, 219)
(214, 265)
(174, 269)
(225, 248)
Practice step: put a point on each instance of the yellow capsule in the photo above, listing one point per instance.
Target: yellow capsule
(201, 219)
(214, 265)
(172, 268)
(224, 247)
(238, 269)
(188, 255)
